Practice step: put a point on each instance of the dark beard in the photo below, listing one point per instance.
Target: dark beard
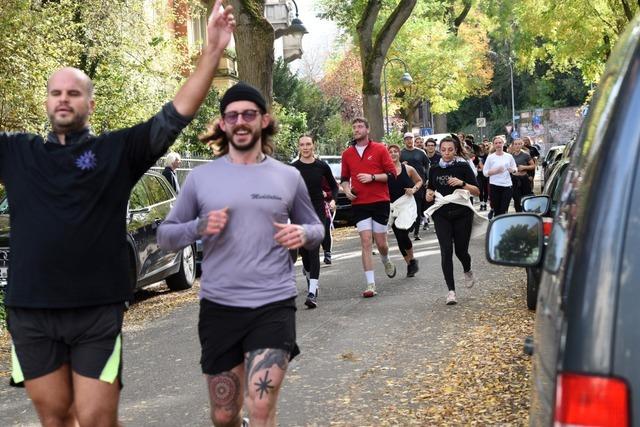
(255, 137)
(78, 123)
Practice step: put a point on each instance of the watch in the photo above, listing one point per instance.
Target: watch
(373, 177)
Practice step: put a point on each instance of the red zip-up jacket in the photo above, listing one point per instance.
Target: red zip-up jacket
(375, 159)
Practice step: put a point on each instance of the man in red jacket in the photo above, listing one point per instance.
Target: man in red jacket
(366, 166)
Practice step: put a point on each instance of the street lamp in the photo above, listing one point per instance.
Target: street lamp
(278, 14)
(406, 80)
(513, 104)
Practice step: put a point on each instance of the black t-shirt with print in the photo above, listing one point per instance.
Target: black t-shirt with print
(439, 176)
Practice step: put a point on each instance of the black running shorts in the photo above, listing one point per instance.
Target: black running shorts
(88, 339)
(378, 211)
(227, 333)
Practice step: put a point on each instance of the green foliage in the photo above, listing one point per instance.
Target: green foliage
(125, 49)
(292, 124)
(188, 142)
(394, 137)
(337, 136)
(321, 112)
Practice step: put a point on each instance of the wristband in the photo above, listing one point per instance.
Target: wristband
(373, 177)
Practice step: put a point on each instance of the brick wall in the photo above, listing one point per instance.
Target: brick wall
(559, 126)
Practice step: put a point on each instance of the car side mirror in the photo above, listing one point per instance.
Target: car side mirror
(536, 204)
(515, 240)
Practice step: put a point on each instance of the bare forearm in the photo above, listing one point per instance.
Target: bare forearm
(193, 92)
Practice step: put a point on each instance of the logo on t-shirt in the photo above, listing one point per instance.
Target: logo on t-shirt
(255, 196)
(86, 161)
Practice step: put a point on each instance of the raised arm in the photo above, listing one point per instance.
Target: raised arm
(219, 30)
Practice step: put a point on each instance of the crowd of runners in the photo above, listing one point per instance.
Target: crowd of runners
(254, 215)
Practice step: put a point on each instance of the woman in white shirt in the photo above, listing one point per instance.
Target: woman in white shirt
(497, 167)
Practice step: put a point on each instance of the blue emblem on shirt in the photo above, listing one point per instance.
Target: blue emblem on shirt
(86, 161)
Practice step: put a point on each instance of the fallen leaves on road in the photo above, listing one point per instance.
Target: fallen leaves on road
(156, 301)
(483, 380)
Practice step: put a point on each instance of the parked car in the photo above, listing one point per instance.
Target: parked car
(149, 204)
(553, 155)
(343, 204)
(586, 346)
(546, 209)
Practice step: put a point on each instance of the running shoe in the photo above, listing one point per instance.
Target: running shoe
(469, 279)
(327, 257)
(451, 298)
(416, 237)
(311, 301)
(245, 422)
(412, 268)
(370, 291)
(390, 269)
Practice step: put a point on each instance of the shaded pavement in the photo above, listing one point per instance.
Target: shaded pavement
(363, 361)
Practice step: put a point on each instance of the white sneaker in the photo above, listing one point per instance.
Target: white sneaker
(390, 269)
(370, 291)
(451, 298)
(469, 279)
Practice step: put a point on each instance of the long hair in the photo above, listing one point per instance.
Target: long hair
(217, 140)
(460, 152)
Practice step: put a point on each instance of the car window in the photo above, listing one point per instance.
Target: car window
(557, 186)
(158, 191)
(139, 198)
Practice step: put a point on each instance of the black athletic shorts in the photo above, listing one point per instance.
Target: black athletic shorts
(89, 339)
(378, 211)
(227, 333)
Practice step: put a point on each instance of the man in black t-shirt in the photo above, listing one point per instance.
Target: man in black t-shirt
(69, 272)
(432, 153)
(417, 159)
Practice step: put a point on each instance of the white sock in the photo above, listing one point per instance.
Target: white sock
(313, 286)
(370, 276)
(384, 258)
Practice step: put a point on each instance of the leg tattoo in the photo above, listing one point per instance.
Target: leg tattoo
(272, 357)
(264, 385)
(224, 390)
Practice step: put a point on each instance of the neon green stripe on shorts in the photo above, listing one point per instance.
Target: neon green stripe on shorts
(16, 369)
(111, 369)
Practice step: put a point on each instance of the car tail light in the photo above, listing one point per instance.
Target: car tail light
(583, 400)
(547, 225)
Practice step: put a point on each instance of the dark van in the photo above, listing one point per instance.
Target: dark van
(586, 347)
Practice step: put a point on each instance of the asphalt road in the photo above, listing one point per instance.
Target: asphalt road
(341, 341)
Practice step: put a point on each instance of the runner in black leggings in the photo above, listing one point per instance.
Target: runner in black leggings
(407, 182)
(312, 171)
(497, 168)
(452, 221)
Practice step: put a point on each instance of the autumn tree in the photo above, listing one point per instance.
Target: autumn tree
(128, 53)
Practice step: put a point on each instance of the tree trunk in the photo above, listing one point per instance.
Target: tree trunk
(373, 53)
(254, 37)
(372, 105)
(439, 123)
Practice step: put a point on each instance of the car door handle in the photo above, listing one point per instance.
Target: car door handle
(528, 346)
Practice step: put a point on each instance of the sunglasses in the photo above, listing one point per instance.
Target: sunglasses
(231, 118)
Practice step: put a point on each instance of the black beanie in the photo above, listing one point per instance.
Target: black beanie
(242, 91)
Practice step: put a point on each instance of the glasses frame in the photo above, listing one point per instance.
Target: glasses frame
(231, 117)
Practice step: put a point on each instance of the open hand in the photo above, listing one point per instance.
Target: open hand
(220, 26)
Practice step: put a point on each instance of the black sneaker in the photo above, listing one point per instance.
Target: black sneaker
(327, 257)
(412, 268)
(311, 301)
(416, 237)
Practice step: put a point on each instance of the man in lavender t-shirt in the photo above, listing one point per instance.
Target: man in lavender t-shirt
(249, 210)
